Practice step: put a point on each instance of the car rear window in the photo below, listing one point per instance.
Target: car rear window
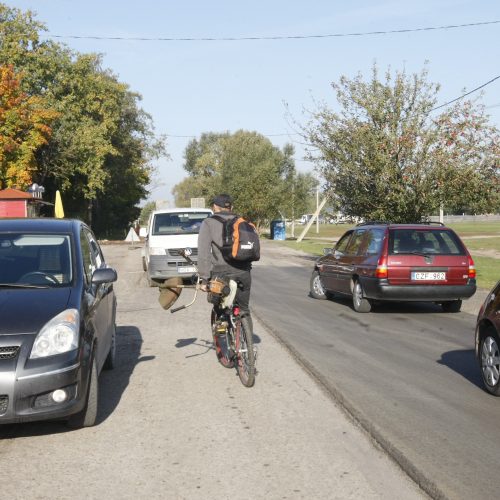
(374, 241)
(427, 241)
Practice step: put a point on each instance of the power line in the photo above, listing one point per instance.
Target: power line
(465, 95)
(273, 37)
(433, 109)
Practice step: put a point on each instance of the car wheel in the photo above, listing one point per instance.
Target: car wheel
(88, 416)
(110, 361)
(144, 266)
(489, 358)
(316, 287)
(360, 303)
(453, 306)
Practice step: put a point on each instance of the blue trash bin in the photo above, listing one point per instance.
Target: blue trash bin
(278, 230)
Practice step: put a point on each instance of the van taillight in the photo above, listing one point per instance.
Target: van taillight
(381, 270)
(472, 268)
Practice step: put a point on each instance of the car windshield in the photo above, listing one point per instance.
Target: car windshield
(425, 241)
(178, 223)
(28, 259)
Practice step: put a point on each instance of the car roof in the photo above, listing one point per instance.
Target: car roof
(414, 225)
(177, 210)
(40, 224)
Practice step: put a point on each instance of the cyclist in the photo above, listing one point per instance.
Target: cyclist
(211, 263)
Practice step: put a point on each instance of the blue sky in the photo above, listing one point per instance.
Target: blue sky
(193, 87)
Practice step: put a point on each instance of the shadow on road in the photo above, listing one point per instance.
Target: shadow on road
(205, 344)
(464, 363)
(391, 307)
(112, 385)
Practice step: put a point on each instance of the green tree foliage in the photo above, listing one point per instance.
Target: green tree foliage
(259, 176)
(386, 155)
(102, 145)
(146, 212)
(189, 187)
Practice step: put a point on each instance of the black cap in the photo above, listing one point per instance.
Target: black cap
(223, 201)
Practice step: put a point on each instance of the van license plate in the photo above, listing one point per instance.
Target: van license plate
(426, 276)
(189, 269)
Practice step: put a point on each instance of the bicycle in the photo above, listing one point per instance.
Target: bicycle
(231, 335)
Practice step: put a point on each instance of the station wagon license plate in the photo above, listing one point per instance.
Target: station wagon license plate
(428, 276)
(188, 269)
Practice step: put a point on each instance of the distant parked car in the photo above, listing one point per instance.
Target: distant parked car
(57, 321)
(396, 262)
(488, 341)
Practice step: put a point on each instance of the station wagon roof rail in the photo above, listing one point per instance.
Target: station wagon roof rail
(388, 223)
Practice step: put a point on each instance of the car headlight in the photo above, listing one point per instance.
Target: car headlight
(157, 251)
(59, 335)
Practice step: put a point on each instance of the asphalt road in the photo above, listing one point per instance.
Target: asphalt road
(407, 373)
(174, 424)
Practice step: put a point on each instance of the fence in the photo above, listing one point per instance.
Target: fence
(451, 219)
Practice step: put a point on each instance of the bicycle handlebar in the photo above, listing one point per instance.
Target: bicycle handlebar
(185, 253)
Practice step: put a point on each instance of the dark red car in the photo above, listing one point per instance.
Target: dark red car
(488, 341)
(396, 262)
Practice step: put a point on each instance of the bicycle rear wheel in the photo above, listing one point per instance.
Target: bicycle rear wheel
(245, 353)
(221, 343)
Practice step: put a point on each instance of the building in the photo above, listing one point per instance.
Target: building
(16, 203)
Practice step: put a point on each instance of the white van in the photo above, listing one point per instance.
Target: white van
(169, 231)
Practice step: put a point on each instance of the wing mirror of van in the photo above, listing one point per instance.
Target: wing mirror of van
(143, 232)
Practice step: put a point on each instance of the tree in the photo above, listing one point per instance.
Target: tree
(102, 147)
(384, 157)
(246, 165)
(24, 128)
(189, 187)
(146, 212)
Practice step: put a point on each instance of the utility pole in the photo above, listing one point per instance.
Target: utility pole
(317, 211)
(312, 219)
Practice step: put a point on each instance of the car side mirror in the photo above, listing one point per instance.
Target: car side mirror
(327, 251)
(104, 275)
(143, 232)
(337, 254)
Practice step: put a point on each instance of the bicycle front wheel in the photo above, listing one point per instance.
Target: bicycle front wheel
(221, 343)
(245, 354)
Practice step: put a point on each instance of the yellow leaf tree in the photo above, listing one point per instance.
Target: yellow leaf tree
(24, 127)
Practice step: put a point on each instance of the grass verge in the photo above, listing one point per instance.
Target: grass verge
(488, 271)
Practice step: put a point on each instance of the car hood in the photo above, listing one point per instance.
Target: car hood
(27, 310)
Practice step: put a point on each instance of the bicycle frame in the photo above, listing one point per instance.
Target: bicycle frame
(228, 324)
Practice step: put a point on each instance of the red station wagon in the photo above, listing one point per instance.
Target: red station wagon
(397, 262)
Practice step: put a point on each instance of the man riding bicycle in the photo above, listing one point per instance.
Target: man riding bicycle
(211, 262)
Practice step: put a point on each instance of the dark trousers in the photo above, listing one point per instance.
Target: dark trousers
(244, 280)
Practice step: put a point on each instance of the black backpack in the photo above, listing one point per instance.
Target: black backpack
(240, 240)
